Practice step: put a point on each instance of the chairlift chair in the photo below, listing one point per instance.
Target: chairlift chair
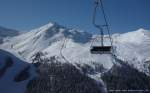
(101, 50)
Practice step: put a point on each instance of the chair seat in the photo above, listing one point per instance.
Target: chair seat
(101, 50)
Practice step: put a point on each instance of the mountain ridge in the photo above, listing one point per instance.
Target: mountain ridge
(53, 41)
(50, 38)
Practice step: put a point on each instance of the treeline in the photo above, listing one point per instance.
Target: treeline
(57, 77)
(125, 77)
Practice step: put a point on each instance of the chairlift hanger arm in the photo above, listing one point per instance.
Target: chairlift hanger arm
(100, 27)
(106, 21)
(101, 49)
(97, 4)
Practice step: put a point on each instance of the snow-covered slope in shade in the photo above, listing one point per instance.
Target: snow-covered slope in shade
(10, 68)
(132, 47)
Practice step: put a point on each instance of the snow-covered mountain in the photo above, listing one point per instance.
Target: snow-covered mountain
(73, 46)
(134, 48)
(131, 47)
(50, 38)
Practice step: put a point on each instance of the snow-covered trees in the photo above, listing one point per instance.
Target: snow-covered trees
(125, 77)
(56, 77)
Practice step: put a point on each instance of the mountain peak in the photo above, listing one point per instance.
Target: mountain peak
(52, 24)
(48, 26)
(141, 30)
(54, 30)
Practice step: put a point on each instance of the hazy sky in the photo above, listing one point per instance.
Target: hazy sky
(123, 15)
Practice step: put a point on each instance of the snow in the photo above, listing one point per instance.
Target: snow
(131, 47)
(134, 47)
(7, 83)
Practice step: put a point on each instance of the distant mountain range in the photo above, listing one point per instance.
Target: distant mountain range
(6, 33)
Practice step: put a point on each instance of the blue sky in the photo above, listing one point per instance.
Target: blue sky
(123, 15)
